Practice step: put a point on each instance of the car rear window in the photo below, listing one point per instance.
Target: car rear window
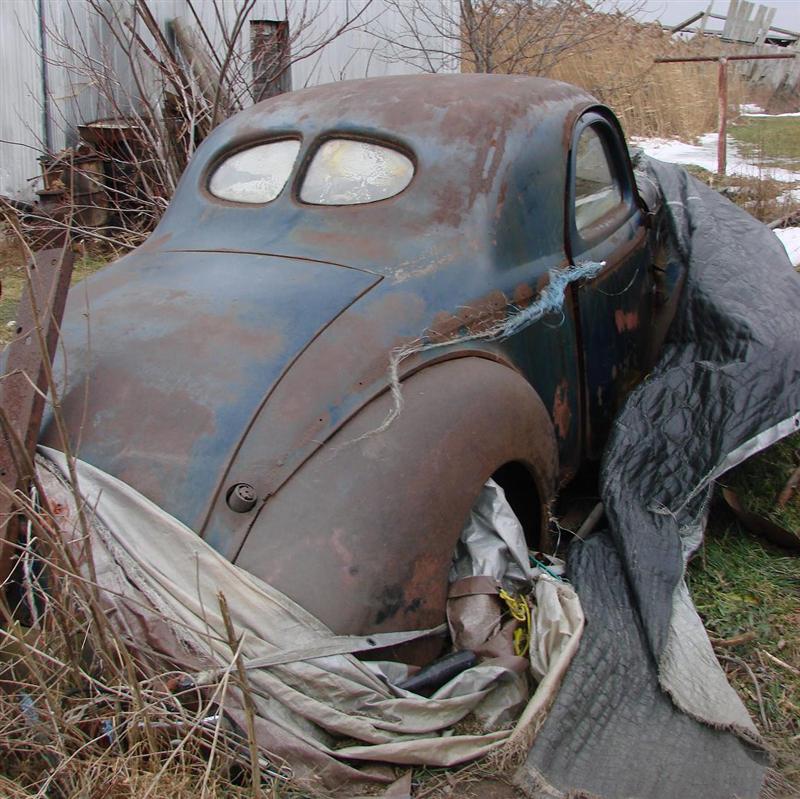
(349, 172)
(256, 175)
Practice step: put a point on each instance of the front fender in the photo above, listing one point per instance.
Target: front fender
(363, 533)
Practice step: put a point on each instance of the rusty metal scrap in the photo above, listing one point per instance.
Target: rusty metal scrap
(25, 384)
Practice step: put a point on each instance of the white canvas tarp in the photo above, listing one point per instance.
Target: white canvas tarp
(318, 708)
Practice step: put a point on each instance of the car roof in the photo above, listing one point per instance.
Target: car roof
(420, 107)
(480, 143)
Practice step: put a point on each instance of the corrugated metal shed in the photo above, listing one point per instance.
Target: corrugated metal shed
(83, 50)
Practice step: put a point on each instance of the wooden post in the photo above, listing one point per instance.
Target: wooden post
(722, 140)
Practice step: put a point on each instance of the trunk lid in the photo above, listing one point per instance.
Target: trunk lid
(170, 354)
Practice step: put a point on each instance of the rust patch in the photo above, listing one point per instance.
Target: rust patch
(155, 243)
(443, 327)
(375, 248)
(476, 318)
(523, 294)
(572, 117)
(544, 280)
(626, 321)
(562, 415)
(501, 199)
(397, 309)
(57, 509)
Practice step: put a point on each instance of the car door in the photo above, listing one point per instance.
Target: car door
(605, 223)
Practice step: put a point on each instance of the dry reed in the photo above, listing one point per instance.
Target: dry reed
(82, 714)
(650, 99)
(614, 60)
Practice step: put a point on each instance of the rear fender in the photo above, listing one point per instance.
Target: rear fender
(363, 533)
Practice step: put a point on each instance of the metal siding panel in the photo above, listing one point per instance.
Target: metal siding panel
(72, 91)
(21, 90)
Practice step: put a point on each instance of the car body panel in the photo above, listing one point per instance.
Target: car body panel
(489, 155)
(615, 311)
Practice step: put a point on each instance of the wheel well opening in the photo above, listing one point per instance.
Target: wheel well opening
(521, 492)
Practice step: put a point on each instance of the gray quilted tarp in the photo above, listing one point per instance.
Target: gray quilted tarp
(645, 710)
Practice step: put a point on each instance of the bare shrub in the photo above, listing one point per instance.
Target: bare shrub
(487, 36)
(163, 94)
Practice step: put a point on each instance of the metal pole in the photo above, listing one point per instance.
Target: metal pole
(693, 58)
(722, 91)
(47, 132)
(722, 141)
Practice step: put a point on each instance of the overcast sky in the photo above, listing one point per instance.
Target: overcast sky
(671, 12)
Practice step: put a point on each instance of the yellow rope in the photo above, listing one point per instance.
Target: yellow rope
(521, 611)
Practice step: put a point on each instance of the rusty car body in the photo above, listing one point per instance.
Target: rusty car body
(234, 368)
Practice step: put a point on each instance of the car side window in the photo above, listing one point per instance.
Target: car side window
(597, 189)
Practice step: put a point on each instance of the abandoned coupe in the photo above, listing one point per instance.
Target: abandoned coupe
(309, 362)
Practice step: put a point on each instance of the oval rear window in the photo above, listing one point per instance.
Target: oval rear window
(256, 175)
(348, 172)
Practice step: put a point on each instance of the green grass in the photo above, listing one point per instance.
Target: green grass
(769, 142)
(759, 480)
(775, 140)
(740, 584)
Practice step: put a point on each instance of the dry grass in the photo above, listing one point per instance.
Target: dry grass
(650, 99)
(612, 56)
(88, 711)
(84, 715)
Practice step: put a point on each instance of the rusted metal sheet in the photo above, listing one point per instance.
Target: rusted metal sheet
(25, 383)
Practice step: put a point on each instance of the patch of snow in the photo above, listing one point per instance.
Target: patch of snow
(789, 197)
(769, 116)
(790, 238)
(750, 108)
(704, 154)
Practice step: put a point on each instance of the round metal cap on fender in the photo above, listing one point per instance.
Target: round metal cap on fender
(242, 497)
